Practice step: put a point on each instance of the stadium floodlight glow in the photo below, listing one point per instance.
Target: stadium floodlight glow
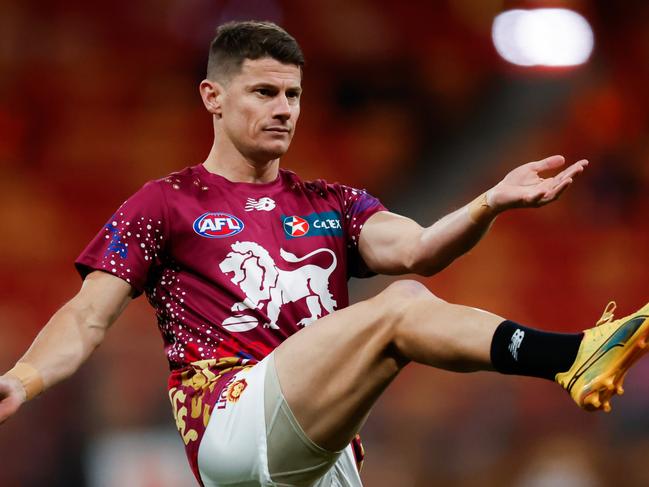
(543, 37)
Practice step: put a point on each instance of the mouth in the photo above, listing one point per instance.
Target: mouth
(279, 130)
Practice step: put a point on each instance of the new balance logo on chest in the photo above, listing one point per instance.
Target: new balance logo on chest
(262, 204)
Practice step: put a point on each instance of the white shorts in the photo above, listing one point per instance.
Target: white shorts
(256, 441)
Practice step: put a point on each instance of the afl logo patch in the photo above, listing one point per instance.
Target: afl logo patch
(217, 225)
(296, 226)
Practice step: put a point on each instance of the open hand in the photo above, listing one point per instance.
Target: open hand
(12, 395)
(524, 187)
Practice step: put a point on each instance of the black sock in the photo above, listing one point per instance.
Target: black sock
(516, 349)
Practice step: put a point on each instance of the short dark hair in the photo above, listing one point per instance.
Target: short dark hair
(237, 41)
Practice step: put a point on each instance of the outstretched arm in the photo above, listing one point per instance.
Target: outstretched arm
(393, 244)
(66, 341)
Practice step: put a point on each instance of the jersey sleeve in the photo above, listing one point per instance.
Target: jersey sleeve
(358, 206)
(132, 242)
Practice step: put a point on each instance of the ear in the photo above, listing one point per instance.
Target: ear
(212, 94)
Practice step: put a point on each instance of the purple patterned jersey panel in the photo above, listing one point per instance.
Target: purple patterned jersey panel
(231, 269)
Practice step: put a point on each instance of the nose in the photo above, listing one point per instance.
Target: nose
(282, 109)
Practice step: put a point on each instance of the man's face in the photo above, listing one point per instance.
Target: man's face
(260, 107)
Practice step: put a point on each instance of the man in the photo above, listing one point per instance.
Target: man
(272, 373)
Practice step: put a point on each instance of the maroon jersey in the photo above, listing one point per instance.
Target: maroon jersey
(232, 270)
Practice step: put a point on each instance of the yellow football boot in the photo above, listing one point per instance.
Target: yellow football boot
(605, 355)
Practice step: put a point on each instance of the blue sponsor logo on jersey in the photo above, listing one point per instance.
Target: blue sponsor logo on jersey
(316, 224)
(217, 225)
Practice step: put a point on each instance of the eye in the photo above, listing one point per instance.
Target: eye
(263, 91)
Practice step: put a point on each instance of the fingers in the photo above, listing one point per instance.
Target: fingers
(556, 191)
(572, 170)
(551, 162)
(561, 181)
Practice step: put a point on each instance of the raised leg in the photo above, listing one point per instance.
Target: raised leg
(332, 372)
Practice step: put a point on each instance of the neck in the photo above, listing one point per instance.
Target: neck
(225, 160)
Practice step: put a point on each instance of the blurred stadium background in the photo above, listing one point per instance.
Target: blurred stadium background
(407, 99)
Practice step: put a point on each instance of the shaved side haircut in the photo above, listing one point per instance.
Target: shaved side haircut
(237, 41)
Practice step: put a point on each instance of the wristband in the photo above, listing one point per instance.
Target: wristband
(29, 377)
(479, 209)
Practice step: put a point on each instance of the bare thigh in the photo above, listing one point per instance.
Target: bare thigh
(333, 371)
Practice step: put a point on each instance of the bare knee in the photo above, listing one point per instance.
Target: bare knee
(404, 291)
(398, 298)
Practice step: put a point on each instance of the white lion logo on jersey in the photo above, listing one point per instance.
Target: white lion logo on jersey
(264, 284)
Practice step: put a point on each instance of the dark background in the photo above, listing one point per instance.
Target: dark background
(407, 99)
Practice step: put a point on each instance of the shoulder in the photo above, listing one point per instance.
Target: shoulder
(320, 187)
(341, 196)
(178, 181)
(155, 192)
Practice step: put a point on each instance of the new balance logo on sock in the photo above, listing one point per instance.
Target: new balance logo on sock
(515, 344)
